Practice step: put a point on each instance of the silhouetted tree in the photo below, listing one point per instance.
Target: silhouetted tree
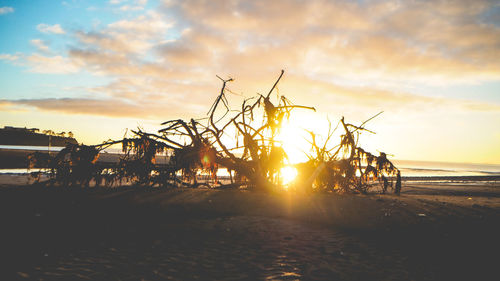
(200, 146)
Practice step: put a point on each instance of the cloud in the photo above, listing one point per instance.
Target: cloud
(110, 108)
(353, 54)
(137, 6)
(51, 64)
(347, 39)
(126, 36)
(380, 43)
(334, 49)
(38, 63)
(54, 29)
(40, 45)
(6, 10)
(9, 57)
(144, 26)
(131, 8)
(129, 98)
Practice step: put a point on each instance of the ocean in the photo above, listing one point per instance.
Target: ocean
(411, 168)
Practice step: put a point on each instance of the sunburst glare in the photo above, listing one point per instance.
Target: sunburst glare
(293, 134)
(288, 175)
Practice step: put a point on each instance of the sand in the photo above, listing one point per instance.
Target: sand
(433, 231)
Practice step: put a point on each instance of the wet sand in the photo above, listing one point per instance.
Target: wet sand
(430, 232)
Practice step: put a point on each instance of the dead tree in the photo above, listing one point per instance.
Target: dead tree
(201, 146)
(346, 167)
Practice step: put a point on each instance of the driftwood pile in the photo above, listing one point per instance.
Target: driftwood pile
(242, 140)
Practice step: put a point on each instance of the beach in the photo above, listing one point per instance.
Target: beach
(250, 140)
(432, 231)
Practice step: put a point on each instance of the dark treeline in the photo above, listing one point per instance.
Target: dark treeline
(32, 137)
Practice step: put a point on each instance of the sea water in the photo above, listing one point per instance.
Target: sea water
(445, 169)
(32, 147)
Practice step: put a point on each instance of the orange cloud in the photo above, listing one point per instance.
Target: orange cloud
(110, 108)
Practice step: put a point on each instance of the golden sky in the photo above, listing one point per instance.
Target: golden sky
(97, 68)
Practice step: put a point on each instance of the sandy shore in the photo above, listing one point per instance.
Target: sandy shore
(430, 232)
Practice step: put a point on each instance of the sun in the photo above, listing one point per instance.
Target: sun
(292, 139)
(288, 175)
(293, 134)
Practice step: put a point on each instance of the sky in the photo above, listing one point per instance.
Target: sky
(98, 68)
